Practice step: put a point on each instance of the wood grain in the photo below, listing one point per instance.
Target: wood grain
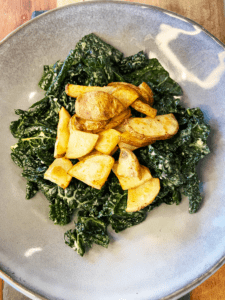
(1, 289)
(209, 14)
(211, 289)
(14, 13)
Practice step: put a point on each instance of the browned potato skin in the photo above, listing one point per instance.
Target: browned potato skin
(98, 106)
(125, 94)
(144, 108)
(146, 90)
(167, 127)
(128, 146)
(88, 125)
(74, 90)
(128, 138)
(117, 120)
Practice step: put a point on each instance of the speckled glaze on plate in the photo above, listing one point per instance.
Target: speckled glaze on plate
(172, 251)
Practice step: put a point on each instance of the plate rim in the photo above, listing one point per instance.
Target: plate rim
(196, 282)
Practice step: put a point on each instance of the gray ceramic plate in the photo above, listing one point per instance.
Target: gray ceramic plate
(172, 251)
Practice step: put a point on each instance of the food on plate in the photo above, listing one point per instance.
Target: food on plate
(158, 128)
(146, 93)
(142, 195)
(58, 172)
(128, 164)
(136, 100)
(80, 143)
(107, 141)
(144, 108)
(118, 120)
(74, 90)
(132, 182)
(93, 170)
(63, 133)
(98, 106)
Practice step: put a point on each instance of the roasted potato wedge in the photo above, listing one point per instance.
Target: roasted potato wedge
(160, 128)
(98, 106)
(63, 133)
(144, 108)
(124, 145)
(128, 164)
(88, 125)
(93, 170)
(130, 139)
(125, 94)
(93, 152)
(74, 90)
(144, 91)
(80, 143)
(117, 120)
(108, 139)
(147, 93)
(121, 128)
(143, 195)
(131, 182)
(57, 172)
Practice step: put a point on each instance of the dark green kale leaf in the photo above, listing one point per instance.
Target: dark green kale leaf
(133, 63)
(31, 189)
(115, 208)
(88, 230)
(62, 201)
(92, 230)
(156, 77)
(89, 199)
(75, 241)
(60, 212)
(49, 75)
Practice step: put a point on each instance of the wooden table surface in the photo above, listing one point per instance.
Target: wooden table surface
(208, 13)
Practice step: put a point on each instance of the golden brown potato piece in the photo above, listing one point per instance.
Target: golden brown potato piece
(131, 182)
(146, 90)
(130, 139)
(117, 120)
(128, 164)
(160, 128)
(143, 195)
(93, 170)
(88, 125)
(74, 90)
(71, 125)
(126, 94)
(124, 145)
(144, 108)
(80, 143)
(93, 152)
(63, 133)
(108, 139)
(121, 128)
(98, 106)
(114, 150)
(57, 172)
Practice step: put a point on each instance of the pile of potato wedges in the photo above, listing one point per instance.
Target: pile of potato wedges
(103, 124)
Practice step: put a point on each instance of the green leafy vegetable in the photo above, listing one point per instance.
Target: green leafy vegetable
(94, 62)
